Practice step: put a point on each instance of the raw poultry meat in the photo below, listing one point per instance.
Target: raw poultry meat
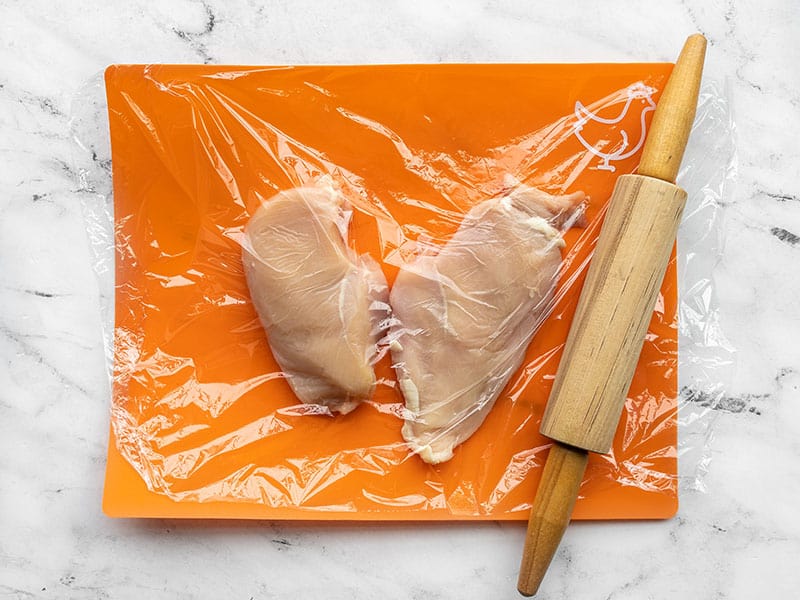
(463, 317)
(321, 305)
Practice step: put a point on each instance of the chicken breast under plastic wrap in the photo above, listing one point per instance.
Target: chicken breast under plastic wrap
(465, 316)
(321, 305)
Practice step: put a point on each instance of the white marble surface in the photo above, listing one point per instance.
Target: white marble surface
(738, 531)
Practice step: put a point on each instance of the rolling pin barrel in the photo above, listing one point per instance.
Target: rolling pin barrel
(613, 313)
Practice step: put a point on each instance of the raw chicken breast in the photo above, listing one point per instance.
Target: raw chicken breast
(321, 305)
(464, 317)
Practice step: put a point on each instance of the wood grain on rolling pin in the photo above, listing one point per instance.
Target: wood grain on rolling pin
(604, 341)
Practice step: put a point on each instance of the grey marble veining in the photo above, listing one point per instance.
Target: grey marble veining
(737, 534)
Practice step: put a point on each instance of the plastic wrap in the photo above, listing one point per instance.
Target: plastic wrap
(707, 358)
(475, 193)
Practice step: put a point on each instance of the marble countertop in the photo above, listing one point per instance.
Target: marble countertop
(737, 534)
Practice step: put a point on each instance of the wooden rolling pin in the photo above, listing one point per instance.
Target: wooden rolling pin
(613, 313)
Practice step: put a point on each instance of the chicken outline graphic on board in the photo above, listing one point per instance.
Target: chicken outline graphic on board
(624, 150)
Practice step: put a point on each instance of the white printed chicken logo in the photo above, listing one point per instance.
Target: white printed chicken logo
(623, 148)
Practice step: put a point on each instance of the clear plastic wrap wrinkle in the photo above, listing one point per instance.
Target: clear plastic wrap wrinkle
(707, 359)
(343, 292)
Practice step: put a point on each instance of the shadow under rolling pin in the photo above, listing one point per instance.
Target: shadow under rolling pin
(615, 307)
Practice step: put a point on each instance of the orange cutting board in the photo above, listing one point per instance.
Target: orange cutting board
(203, 424)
